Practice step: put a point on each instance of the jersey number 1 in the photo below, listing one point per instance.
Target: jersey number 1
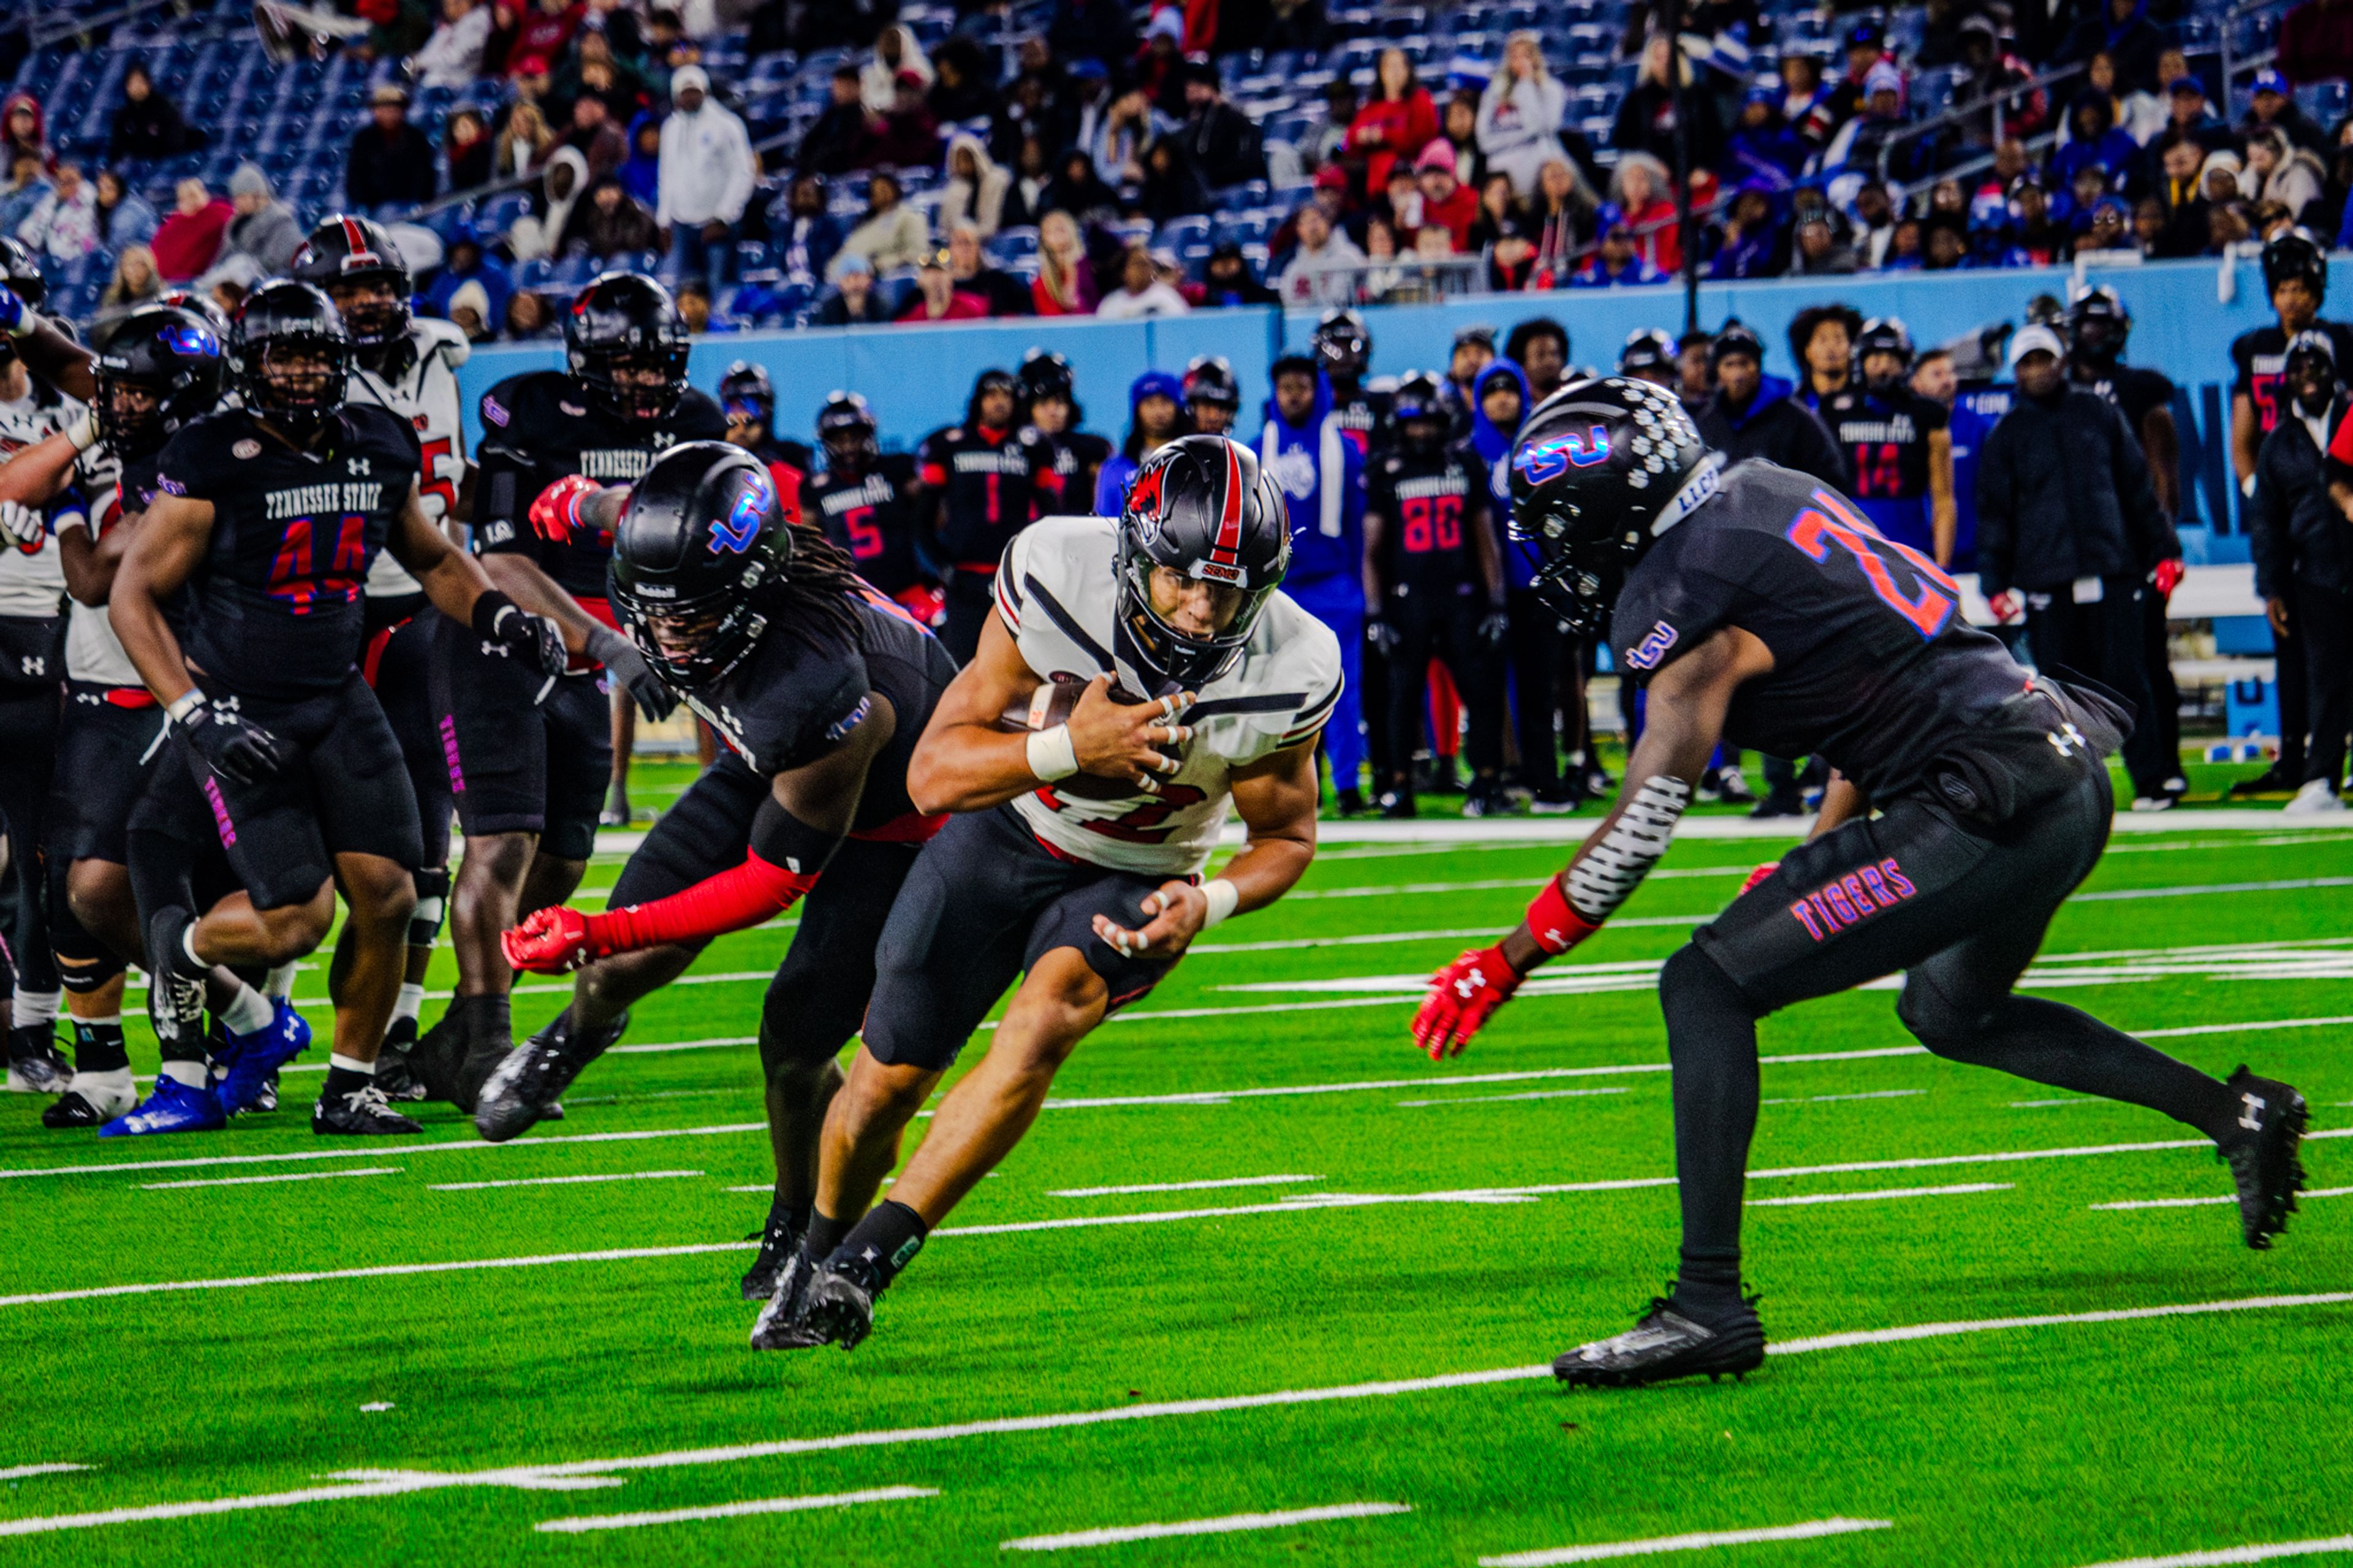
(1829, 521)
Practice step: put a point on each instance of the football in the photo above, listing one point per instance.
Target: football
(1050, 705)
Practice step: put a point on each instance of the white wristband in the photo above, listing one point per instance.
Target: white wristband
(186, 703)
(1222, 895)
(1051, 755)
(83, 432)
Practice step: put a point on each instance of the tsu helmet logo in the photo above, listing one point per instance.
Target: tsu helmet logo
(735, 532)
(1553, 458)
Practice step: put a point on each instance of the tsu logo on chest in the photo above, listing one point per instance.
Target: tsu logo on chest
(1852, 899)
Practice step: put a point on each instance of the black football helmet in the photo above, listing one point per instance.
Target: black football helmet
(1736, 338)
(1648, 353)
(1600, 469)
(701, 532)
(844, 428)
(1202, 508)
(1210, 379)
(746, 393)
(347, 250)
(203, 305)
(992, 379)
(2295, 253)
(282, 320)
(176, 357)
(626, 322)
(1044, 373)
(20, 269)
(1417, 409)
(1341, 345)
(2097, 326)
(1883, 335)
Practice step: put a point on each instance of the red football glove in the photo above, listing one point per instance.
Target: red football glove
(2004, 608)
(1758, 875)
(1462, 997)
(554, 941)
(2168, 577)
(555, 514)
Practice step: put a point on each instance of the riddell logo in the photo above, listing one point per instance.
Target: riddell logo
(1853, 898)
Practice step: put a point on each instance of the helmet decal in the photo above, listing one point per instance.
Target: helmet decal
(194, 338)
(735, 532)
(1143, 497)
(1230, 521)
(1553, 458)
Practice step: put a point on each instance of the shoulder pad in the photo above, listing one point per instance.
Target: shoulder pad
(433, 337)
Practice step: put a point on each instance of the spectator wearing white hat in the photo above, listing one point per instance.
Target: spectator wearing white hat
(706, 176)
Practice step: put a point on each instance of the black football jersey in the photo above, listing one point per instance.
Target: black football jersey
(1885, 433)
(995, 484)
(275, 604)
(2135, 391)
(1874, 668)
(791, 701)
(1428, 502)
(1365, 419)
(873, 519)
(543, 427)
(1077, 458)
(2259, 359)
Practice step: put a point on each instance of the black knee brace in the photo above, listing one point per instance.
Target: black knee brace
(432, 906)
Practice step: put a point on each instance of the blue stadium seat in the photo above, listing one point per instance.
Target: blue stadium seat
(1180, 232)
(499, 213)
(537, 273)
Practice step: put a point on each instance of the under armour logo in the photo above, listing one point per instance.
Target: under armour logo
(2252, 1118)
(2067, 741)
(36, 665)
(1468, 985)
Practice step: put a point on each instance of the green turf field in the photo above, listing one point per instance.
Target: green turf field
(1342, 1296)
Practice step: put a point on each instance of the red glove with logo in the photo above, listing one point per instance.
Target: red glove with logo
(1462, 997)
(1759, 875)
(554, 941)
(555, 514)
(2168, 577)
(2004, 606)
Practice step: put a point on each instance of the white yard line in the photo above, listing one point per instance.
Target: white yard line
(1531, 1094)
(25, 1472)
(1821, 1098)
(2229, 1554)
(1810, 1530)
(385, 1483)
(586, 1522)
(1222, 1526)
(1804, 1198)
(1178, 1186)
(255, 1181)
(2049, 1104)
(561, 1181)
(654, 1048)
(453, 1146)
(2204, 1203)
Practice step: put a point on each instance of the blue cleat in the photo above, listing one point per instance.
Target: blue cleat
(170, 1107)
(253, 1058)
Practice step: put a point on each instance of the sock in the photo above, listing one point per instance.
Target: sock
(792, 1218)
(167, 943)
(486, 1020)
(1707, 1284)
(345, 1076)
(196, 1075)
(30, 1009)
(825, 1233)
(280, 981)
(98, 1045)
(1712, 1043)
(250, 1014)
(881, 1244)
(411, 1002)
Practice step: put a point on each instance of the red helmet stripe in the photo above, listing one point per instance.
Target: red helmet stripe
(1230, 525)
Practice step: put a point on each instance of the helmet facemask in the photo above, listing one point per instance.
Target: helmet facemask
(642, 385)
(296, 380)
(373, 305)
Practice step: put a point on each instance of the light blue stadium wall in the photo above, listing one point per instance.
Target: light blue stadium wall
(918, 378)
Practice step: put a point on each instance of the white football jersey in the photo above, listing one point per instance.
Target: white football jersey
(33, 582)
(93, 653)
(1057, 592)
(426, 395)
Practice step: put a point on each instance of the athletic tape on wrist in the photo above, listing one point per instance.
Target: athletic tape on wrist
(1051, 755)
(1222, 895)
(1606, 873)
(186, 703)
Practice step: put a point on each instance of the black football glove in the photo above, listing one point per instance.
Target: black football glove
(238, 749)
(618, 655)
(1385, 638)
(1493, 628)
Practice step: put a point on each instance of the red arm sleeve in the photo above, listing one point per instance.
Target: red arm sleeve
(731, 900)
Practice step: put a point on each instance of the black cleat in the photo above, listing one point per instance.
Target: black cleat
(778, 1242)
(35, 1066)
(837, 1308)
(2272, 780)
(535, 1074)
(1398, 805)
(783, 1324)
(362, 1113)
(95, 1100)
(394, 1073)
(1780, 803)
(2262, 1155)
(477, 1068)
(1667, 1344)
(432, 1063)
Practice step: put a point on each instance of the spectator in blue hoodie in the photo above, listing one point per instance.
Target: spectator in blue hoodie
(1753, 414)
(468, 262)
(1750, 244)
(2094, 139)
(1322, 475)
(1155, 416)
(1762, 147)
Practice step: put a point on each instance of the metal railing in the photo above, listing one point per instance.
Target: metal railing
(1962, 114)
(2233, 66)
(52, 30)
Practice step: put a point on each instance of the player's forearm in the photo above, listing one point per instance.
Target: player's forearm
(91, 565)
(1267, 868)
(2243, 441)
(1843, 802)
(1943, 530)
(968, 767)
(521, 579)
(38, 472)
(137, 622)
(453, 583)
(59, 359)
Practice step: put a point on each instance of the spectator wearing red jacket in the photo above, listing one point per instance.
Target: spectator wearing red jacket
(937, 299)
(1446, 202)
(1399, 122)
(190, 239)
(543, 32)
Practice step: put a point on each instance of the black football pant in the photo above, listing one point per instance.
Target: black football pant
(2290, 682)
(970, 596)
(1533, 654)
(2164, 692)
(1961, 912)
(1443, 627)
(1372, 702)
(2106, 640)
(28, 755)
(2323, 619)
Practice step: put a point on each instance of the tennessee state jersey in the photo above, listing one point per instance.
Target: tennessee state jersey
(1874, 670)
(419, 383)
(1057, 594)
(2259, 358)
(873, 518)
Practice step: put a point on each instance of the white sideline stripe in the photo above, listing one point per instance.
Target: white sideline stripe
(2046, 1104)
(683, 1046)
(1305, 1203)
(2241, 1029)
(1883, 1193)
(2111, 894)
(454, 1145)
(1225, 1525)
(561, 1181)
(2236, 1554)
(25, 1472)
(586, 1522)
(1179, 1187)
(251, 1181)
(2044, 1320)
(2201, 1203)
(1531, 1094)
(378, 1271)
(1811, 1530)
(1819, 1099)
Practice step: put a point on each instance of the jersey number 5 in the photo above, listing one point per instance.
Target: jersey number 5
(438, 484)
(1829, 521)
(865, 539)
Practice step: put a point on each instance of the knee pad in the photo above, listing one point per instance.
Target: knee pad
(432, 906)
(1693, 988)
(85, 964)
(1948, 1030)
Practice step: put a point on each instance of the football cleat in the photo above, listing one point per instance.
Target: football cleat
(1732, 786)
(394, 1075)
(1350, 803)
(171, 1106)
(35, 1066)
(533, 1076)
(837, 1308)
(254, 1059)
(265, 1098)
(432, 1062)
(95, 1098)
(781, 1325)
(362, 1113)
(1666, 1343)
(778, 1242)
(2262, 1157)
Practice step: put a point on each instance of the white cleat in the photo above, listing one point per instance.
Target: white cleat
(2315, 797)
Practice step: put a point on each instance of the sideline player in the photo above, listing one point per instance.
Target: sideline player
(529, 759)
(1212, 396)
(821, 689)
(1897, 444)
(1050, 406)
(269, 516)
(984, 481)
(1077, 863)
(407, 365)
(1761, 609)
(866, 503)
(1343, 350)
